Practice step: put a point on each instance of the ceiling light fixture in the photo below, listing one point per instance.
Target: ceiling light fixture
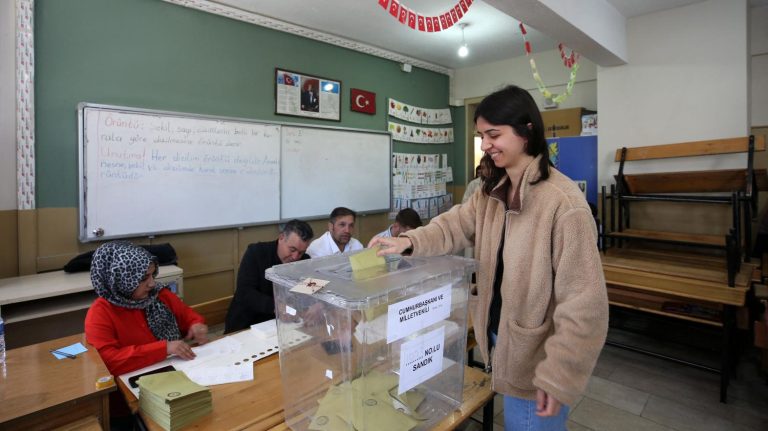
(463, 49)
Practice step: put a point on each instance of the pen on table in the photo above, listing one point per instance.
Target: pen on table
(59, 352)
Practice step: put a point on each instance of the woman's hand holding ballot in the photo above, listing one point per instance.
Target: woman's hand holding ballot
(391, 245)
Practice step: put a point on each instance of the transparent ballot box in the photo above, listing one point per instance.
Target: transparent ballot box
(381, 349)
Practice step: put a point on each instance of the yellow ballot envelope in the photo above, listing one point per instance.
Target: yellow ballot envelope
(366, 259)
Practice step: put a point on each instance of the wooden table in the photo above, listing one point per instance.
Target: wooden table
(258, 405)
(38, 391)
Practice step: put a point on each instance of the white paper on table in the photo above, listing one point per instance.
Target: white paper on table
(214, 349)
(227, 360)
(265, 329)
(209, 376)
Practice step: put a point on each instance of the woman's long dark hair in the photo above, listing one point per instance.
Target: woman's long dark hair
(513, 106)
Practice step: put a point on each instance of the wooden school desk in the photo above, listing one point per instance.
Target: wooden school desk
(258, 405)
(38, 391)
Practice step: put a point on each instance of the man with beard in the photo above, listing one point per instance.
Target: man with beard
(338, 239)
(254, 300)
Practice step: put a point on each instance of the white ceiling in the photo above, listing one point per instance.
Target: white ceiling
(491, 35)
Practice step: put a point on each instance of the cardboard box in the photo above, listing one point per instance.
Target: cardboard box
(563, 122)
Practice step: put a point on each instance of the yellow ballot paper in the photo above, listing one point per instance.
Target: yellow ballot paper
(173, 400)
(366, 259)
(366, 403)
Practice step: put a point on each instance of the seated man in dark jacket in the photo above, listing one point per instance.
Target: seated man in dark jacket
(254, 299)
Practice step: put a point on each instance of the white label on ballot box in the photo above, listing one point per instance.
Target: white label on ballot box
(421, 359)
(406, 317)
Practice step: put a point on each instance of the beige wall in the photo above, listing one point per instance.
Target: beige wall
(673, 90)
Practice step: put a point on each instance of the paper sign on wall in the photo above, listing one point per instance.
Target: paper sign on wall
(406, 317)
(421, 359)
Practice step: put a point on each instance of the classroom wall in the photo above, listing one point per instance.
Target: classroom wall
(152, 54)
(686, 80)
(758, 36)
(479, 81)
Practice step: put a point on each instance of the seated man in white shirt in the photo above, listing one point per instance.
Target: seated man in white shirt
(338, 239)
(405, 220)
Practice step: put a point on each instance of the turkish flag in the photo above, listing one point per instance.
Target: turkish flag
(288, 79)
(411, 19)
(383, 3)
(436, 23)
(394, 8)
(464, 6)
(420, 19)
(469, 3)
(403, 14)
(443, 22)
(362, 101)
(457, 8)
(429, 24)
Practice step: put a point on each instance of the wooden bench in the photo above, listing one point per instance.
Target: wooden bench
(646, 281)
(734, 187)
(702, 279)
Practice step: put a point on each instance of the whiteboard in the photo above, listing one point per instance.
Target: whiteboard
(324, 168)
(146, 172)
(149, 172)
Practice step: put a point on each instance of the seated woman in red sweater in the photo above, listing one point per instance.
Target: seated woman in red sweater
(136, 322)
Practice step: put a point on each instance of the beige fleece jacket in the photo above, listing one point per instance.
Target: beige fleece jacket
(554, 313)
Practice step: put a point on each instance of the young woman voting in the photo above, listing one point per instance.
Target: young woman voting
(540, 289)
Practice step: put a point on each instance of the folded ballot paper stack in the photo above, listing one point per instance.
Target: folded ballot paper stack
(172, 400)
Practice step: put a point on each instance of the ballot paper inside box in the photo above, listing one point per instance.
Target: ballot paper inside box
(386, 345)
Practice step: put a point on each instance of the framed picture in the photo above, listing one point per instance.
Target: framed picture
(307, 96)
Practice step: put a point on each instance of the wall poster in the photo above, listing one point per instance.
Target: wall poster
(307, 96)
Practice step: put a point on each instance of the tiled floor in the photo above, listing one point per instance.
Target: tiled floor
(629, 391)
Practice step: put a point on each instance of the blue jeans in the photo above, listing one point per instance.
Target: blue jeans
(520, 414)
